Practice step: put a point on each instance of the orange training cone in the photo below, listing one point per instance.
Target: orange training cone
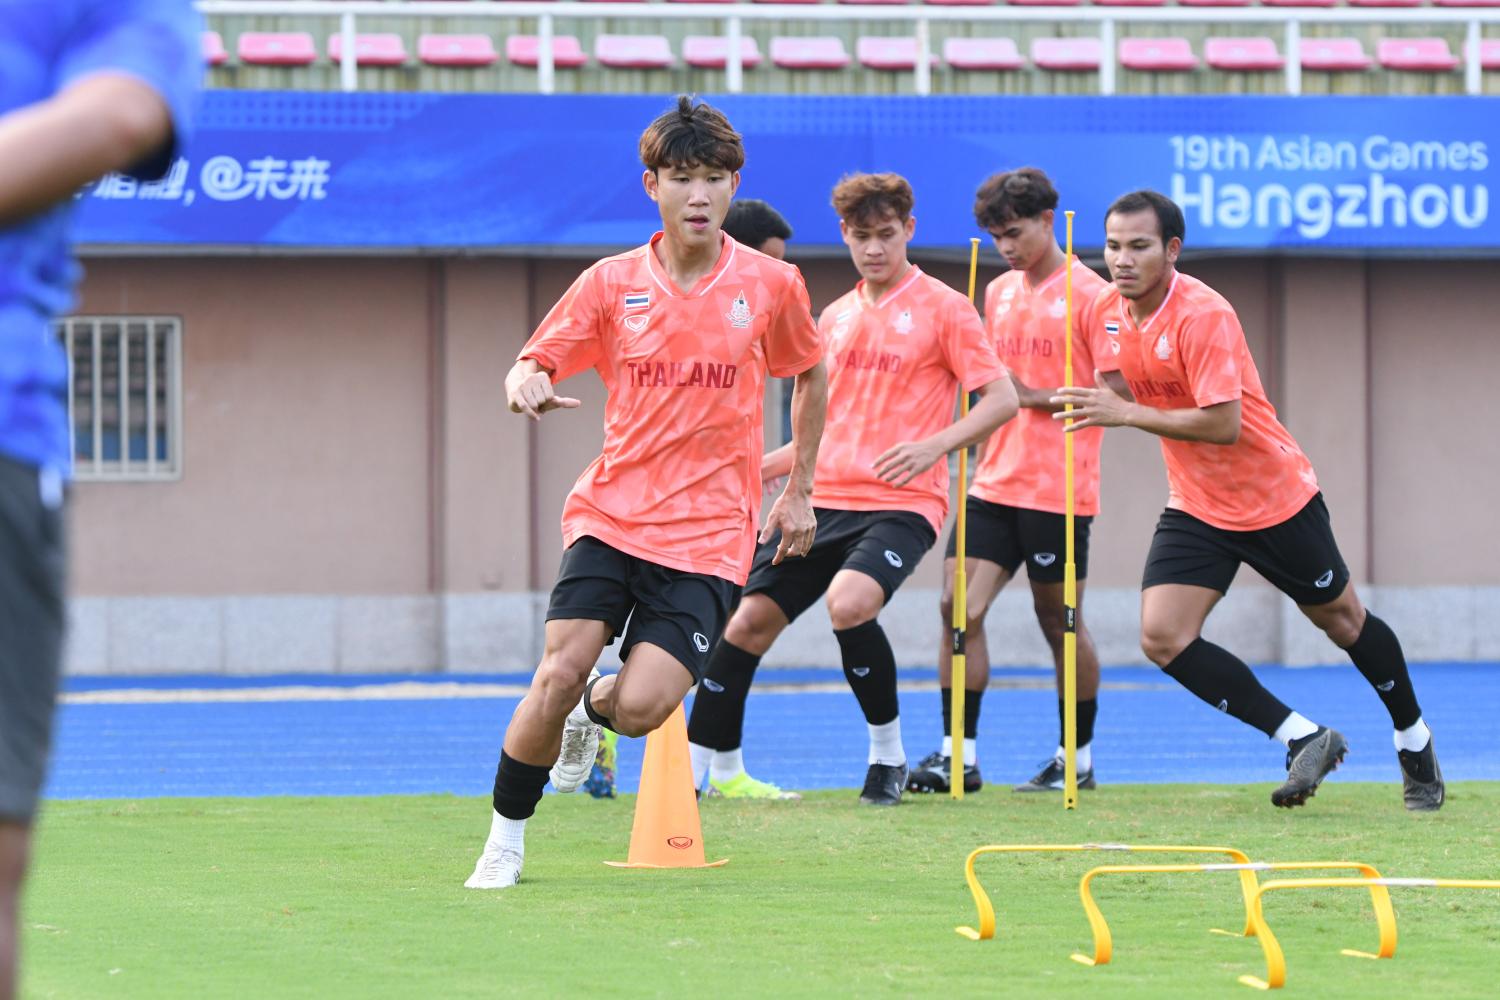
(666, 832)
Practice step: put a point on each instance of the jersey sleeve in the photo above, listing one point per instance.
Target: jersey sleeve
(793, 343)
(156, 41)
(569, 340)
(968, 350)
(1102, 348)
(1211, 342)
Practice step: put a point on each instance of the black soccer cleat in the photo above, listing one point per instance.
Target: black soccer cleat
(1052, 777)
(1308, 762)
(883, 784)
(1421, 779)
(931, 775)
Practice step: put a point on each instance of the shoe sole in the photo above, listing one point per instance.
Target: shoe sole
(1337, 749)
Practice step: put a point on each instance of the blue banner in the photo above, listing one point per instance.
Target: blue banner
(471, 171)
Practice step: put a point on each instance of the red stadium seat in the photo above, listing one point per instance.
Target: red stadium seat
(382, 49)
(267, 48)
(1417, 55)
(1213, 3)
(961, 3)
(982, 53)
(526, 50)
(888, 53)
(1242, 54)
(1489, 53)
(1129, 3)
(788, 1)
(712, 52)
(1333, 54)
(1158, 55)
(702, 1)
(457, 50)
(1467, 3)
(1069, 55)
(1045, 3)
(214, 52)
(817, 52)
(633, 51)
(1386, 3)
(874, 1)
(1300, 3)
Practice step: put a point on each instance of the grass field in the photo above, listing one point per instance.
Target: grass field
(362, 897)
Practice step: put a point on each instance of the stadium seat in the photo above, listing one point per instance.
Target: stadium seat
(1129, 3)
(1417, 55)
(1158, 55)
(816, 52)
(874, 1)
(457, 50)
(1467, 3)
(266, 48)
(1242, 54)
(1489, 53)
(961, 3)
(788, 1)
(214, 52)
(526, 50)
(1045, 3)
(633, 51)
(712, 51)
(1213, 3)
(888, 53)
(383, 49)
(1386, 3)
(1333, 54)
(1299, 3)
(1067, 54)
(702, 1)
(982, 53)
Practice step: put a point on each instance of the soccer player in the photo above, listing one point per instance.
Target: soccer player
(758, 226)
(1016, 505)
(902, 345)
(1241, 491)
(87, 87)
(661, 527)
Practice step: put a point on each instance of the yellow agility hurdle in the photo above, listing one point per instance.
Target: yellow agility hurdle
(986, 910)
(1276, 961)
(1385, 916)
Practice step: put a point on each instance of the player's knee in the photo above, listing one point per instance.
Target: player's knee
(850, 610)
(1161, 643)
(635, 715)
(559, 682)
(945, 607)
(1344, 627)
(753, 627)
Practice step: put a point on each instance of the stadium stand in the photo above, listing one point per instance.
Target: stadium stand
(712, 52)
(1417, 55)
(1243, 54)
(383, 49)
(470, 50)
(214, 53)
(982, 53)
(288, 48)
(1158, 55)
(524, 50)
(633, 51)
(1067, 55)
(821, 52)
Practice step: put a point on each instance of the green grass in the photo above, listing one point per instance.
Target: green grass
(362, 897)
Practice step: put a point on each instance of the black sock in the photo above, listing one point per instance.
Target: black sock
(1377, 654)
(972, 701)
(588, 705)
(870, 667)
(518, 787)
(718, 718)
(1087, 712)
(1220, 678)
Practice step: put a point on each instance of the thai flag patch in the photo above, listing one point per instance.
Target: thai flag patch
(1113, 329)
(637, 300)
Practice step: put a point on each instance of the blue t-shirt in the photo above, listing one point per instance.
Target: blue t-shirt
(46, 45)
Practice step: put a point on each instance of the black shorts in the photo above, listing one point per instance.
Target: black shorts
(32, 615)
(683, 613)
(1008, 536)
(1299, 556)
(883, 544)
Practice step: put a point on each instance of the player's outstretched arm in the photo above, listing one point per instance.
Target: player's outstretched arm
(792, 513)
(528, 390)
(1102, 406)
(904, 462)
(106, 121)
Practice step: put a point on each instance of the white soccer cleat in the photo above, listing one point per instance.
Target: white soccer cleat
(497, 868)
(580, 743)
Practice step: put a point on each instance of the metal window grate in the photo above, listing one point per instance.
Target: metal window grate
(125, 396)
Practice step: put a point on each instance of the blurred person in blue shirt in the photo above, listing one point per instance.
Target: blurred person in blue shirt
(87, 87)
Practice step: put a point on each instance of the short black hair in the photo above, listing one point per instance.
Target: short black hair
(1169, 218)
(1016, 194)
(752, 222)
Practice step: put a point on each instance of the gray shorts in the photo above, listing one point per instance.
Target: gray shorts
(32, 613)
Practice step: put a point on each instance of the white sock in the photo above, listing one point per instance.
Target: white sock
(948, 746)
(700, 757)
(1294, 728)
(885, 744)
(727, 765)
(1413, 738)
(509, 833)
(1083, 757)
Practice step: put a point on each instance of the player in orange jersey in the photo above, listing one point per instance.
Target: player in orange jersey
(1016, 505)
(1241, 491)
(901, 346)
(660, 528)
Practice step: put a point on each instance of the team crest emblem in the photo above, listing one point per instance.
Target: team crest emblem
(1059, 308)
(739, 314)
(903, 322)
(1007, 293)
(636, 322)
(1163, 347)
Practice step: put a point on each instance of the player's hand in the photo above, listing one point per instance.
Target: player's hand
(905, 462)
(792, 515)
(1100, 406)
(533, 395)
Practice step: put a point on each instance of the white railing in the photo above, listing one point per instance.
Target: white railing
(921, 17)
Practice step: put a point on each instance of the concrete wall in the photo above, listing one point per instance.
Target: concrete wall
(356, 497)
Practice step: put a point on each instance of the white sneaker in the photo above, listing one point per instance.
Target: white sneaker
(580, 743)
(497, 868)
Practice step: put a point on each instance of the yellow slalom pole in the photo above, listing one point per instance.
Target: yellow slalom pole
(960, 582)
(1070, 571)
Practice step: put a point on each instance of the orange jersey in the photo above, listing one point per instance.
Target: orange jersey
(1192, 352)
(678, 482)
(894, 371)
(1023, 463)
